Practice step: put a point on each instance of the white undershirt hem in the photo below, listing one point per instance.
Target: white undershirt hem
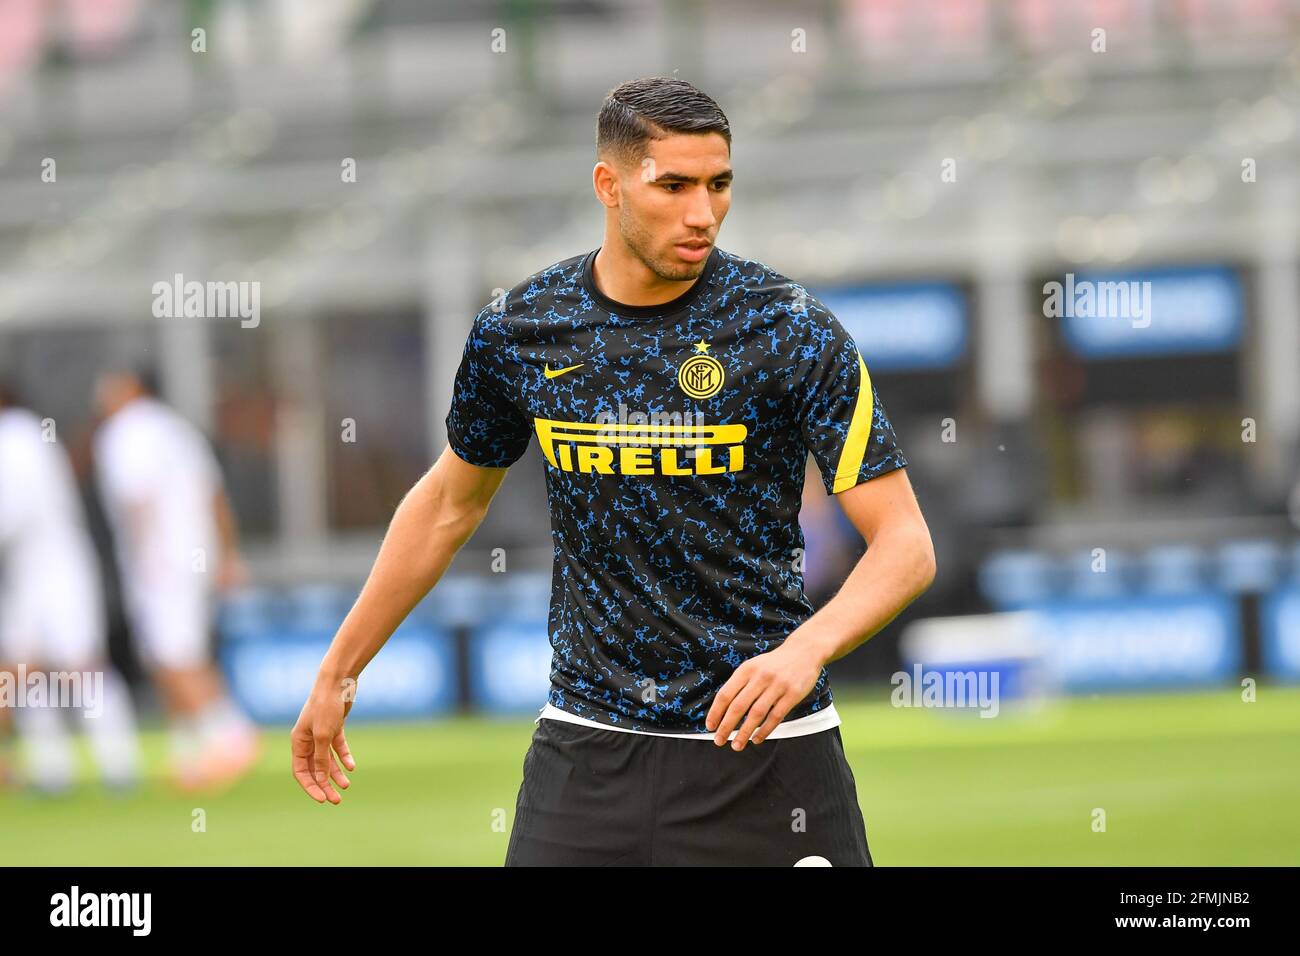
(824, 719)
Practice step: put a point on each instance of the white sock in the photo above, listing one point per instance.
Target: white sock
(112, 734)
(50, 760)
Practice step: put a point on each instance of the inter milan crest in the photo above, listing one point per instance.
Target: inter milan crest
(700, 375)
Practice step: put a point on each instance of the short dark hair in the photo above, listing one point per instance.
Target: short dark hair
(652, 108)
(141, 370)
(147, 375)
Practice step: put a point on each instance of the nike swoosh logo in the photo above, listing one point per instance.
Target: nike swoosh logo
(553, 372)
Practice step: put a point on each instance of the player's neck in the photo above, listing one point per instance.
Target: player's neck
(621, 276)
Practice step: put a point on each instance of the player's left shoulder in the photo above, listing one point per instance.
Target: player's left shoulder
(773, 297)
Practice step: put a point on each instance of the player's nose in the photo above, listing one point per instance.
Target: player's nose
(699, 214)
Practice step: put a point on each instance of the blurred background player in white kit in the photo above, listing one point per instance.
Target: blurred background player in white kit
(176, 545)
(52, 614)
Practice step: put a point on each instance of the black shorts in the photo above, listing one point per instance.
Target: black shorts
(594, 797)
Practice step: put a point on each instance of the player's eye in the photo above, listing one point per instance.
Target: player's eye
(723, 184)
(672, 187)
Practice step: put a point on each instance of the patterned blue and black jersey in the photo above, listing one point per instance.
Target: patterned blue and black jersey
(674, 439)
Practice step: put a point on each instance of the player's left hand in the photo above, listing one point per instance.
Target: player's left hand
(765, 688)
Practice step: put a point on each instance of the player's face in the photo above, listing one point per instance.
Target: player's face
(672, 207)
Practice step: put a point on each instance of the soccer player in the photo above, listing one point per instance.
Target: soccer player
(52, 609)
(676, 391)
(176, 543)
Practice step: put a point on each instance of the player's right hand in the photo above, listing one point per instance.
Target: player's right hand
(318, 736)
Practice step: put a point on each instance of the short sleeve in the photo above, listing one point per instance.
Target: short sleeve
(484, 427)
(841, 417)
(19, 479)
(125, 472)
(207, 463)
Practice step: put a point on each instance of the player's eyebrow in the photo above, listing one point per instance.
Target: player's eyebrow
(671, 177)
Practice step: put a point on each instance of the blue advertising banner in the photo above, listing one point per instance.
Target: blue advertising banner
(510, 666)
(413, 676)
(1148, 311)
(1280, 617)
(902, 327)
(1123, 643)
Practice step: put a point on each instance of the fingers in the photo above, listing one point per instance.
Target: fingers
(755, 700)
(303, 748)
(338, 776)
(722, 699)
(757, 713)
(765, 717)
(317, 736)
(314, 766)
(774, 718)
(308, 784)
(737, 710)
(321, 767)
(345, 755)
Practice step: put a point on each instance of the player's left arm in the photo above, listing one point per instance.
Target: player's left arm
(843, 423)
(231, 571)
(897, 568)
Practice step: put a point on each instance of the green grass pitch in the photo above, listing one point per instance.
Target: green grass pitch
(1184, 779)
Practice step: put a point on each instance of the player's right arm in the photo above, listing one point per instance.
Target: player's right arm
(434, 520)
(486, 433)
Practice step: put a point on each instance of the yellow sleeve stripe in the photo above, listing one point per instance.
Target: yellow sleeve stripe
(855, 445)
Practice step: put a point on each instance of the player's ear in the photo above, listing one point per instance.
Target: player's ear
(604, 180)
